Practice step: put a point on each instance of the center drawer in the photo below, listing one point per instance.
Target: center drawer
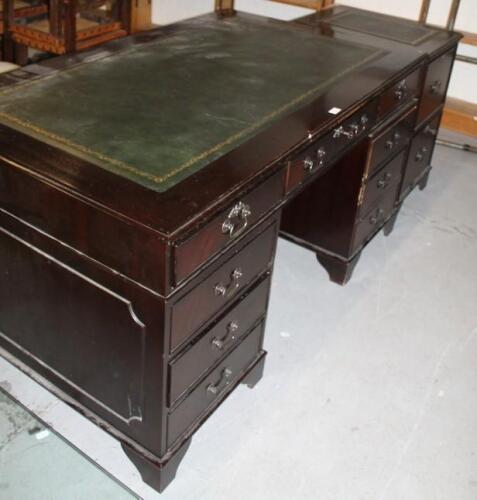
(213, 387)
(218, 340)
(217, 290)
(327, 149)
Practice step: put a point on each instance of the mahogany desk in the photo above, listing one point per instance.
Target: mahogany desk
(141, 189)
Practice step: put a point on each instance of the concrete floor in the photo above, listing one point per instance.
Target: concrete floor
(370, 390)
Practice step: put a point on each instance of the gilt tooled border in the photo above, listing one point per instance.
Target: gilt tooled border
(159, 179)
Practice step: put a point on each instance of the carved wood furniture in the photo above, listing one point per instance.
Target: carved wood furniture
(66, 26)
(138, 228)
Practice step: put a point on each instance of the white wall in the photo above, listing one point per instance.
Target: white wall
(464, 79)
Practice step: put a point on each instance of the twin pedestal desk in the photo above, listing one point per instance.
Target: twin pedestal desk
(143, 186)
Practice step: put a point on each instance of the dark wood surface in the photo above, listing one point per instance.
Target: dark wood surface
(123, 298)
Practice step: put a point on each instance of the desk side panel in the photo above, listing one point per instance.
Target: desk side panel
(105, 236)
(90, 336)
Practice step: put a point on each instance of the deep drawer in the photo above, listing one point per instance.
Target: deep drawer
(374, 220)
(420, 154)
(220, 288)
(387, 142)
(400, 93)
(213, 387)
(383, 183)
(225, 334)
(328, 148)
(227, 227)
(435, 85)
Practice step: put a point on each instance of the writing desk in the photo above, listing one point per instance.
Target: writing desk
(141, 189)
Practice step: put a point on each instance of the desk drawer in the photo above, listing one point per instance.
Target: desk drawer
(435, 84)
(420, 154)
(220, 288)
(375, 218)
(227, 227)
(400, 93)
(225, 334)
(215, 386)
(386, 143)
(329, 148)
(383, 183)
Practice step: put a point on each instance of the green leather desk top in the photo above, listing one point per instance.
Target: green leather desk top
(393, 28)
(160, 111)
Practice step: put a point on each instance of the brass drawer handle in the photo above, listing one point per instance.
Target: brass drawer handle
(237, 220)
(228, 339)
(384, 182)
(349, 134)
(436, 87)
(224, 380)
(390, 143)
(229, 290)
(401, 91)
(373, 220)
(421, 154)
(308, 164)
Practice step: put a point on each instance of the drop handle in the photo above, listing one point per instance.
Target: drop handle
(237, 220)
(308, 164)
(228, 290)
(420, 154)
(436, 87)
(384, 182)
(401, 91)
(374, 218)
(228, 339)
(341, 131)
(224, 380)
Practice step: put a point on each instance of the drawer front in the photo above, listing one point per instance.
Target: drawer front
(328, 148)
(388, 142)
(225, 334)
(401, 93)
(213, 388)
(221, 287)
(383, 184)
(420, 154)
(226, 228)
(374, 220)
(435, 85)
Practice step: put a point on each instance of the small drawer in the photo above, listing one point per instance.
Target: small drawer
(215, 386)
(385, 143)
(222, 286)
(329, 148)
(225, 334)
(420, 154)
(374, 220)
(435, 85)
(383, 183)
(227, 227)
(400, 93)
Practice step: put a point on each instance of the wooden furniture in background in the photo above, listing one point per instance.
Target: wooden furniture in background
(460, 116)
(225, 7)
(309, 4)
(141, 15)
(21, 11)
(67, 26)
